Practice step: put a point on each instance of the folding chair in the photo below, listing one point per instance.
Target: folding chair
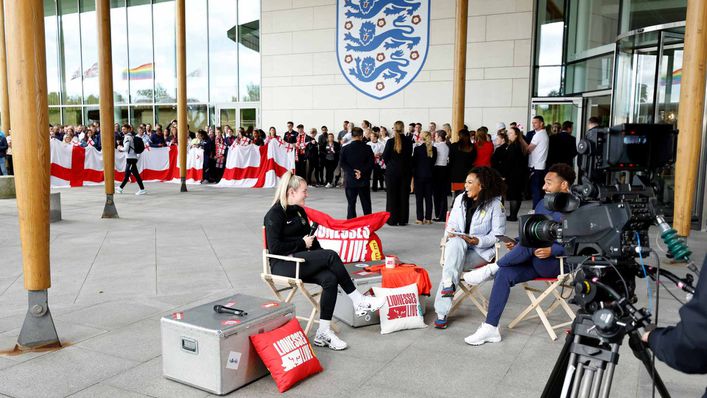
(551, 289)
(465, 290)
(292, 284)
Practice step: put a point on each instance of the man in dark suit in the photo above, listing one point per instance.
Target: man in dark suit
(562, 146)
(357, 164)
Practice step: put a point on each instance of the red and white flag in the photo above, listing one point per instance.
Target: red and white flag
(252, 166)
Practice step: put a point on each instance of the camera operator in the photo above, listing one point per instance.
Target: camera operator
(684, 346)
(520, 264)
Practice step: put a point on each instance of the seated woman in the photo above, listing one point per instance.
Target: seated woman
(478, 215)
(287, 233)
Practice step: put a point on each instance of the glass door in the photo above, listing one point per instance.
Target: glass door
(237, 115)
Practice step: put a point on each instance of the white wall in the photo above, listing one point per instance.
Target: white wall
(301, 80)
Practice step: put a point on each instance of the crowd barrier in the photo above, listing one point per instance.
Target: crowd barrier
(247, 166)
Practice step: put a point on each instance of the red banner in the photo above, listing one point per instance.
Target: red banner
(354, 239)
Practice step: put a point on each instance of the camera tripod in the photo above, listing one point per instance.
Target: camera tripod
(585, 367)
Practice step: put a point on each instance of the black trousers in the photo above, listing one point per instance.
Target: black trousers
(301, 168)
(320, 172)
(131, 168)
(397, 199)
(323, 267)
(440, 189)
(330, 168)
(423, 192)
(313, 165)
(378, 177)
(364, 193)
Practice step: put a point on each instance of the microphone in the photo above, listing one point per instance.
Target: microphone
(313, 229)
(221, 309)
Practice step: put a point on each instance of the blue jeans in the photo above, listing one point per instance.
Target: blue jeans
(458, 256)
(3, 168)
(517, 266)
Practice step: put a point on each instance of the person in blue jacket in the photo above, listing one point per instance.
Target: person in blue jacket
(520, 264)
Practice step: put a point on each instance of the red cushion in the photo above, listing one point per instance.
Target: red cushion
(287, 354)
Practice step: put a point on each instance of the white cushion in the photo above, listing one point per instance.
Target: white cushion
(402, 309)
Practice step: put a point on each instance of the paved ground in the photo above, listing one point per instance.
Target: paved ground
(114, 279)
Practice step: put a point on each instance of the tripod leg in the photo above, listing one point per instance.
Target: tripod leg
(559, 372)
(609, 374)
(641, 352)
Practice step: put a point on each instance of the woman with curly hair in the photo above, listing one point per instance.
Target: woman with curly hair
(476, 218)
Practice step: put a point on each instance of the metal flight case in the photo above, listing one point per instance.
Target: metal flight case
(363, 281)
(212, 351)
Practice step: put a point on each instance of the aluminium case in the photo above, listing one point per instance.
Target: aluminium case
(212, 351)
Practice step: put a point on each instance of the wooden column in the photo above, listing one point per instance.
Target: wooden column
(4, 98)
(105, 76)
(692, 105)
(30, 150)
(182, 128)
(459, 68)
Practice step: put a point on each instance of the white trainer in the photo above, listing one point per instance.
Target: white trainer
(484, 334)
(369, 304)
(329, 339)
(141, 192)
(328, 185)
(481, 275)
(119, 190)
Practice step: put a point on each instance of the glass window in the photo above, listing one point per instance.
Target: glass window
(223, 51)
(196, 117)
(72, 116)
(550, 32)
(165, 114)
(589, 75)
(227, 117)
(247, 117)
(71, 51)
(54, 115)
(119, 51)
(249, 50)
(51, 37)
(142, 114)
(197, 51)
(120, 115)
(548, 81)
(89, 51)
(141, 71)
(163, 14)
(592, 24)
(642, 13)
(91, 114)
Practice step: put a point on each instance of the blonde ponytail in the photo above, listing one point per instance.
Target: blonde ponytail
(287, 181)
(427, 140)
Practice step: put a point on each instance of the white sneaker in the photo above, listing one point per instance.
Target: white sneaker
(480, 275)
(141, 192)
(119, 190)
(369, 304)
(484, 334)
(329, 339)
(328, 185)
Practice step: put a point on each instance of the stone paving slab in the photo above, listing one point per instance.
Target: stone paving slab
(112, 280)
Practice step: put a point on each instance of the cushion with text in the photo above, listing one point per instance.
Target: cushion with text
(402, 309)
(287, 354)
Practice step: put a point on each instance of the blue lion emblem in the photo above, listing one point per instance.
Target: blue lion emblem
(367, 71)
(370, 8)
(368, 40)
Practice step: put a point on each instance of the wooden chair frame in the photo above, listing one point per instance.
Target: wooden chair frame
(551, 290)
(292, 284)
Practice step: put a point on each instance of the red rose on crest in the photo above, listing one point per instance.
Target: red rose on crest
(380, 57)
(416, 19)
(348, 58)
(380, 86)
(381, 22)
(414, 55)
(348, 25)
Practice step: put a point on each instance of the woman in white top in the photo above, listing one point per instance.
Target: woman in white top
(378, 171)
(441, 185)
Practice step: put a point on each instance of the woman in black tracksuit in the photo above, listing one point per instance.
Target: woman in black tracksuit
(287, 233)
(423, 161)
(397, 156)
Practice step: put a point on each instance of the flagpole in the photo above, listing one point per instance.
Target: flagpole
(4, 98)
(182, 128)
(105, 76)
(459, 86)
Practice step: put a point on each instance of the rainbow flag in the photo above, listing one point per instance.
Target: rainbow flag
(142, 72)
(677, 76)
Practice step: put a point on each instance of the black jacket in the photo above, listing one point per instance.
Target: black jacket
(684, 346)
(397, 165)
(499, 157)
(284, 230)
(562, 148)
(290, 138)
(422, 164)
(460, 162)
(357, 156)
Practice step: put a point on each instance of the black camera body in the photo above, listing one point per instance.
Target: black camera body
(607, 222)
